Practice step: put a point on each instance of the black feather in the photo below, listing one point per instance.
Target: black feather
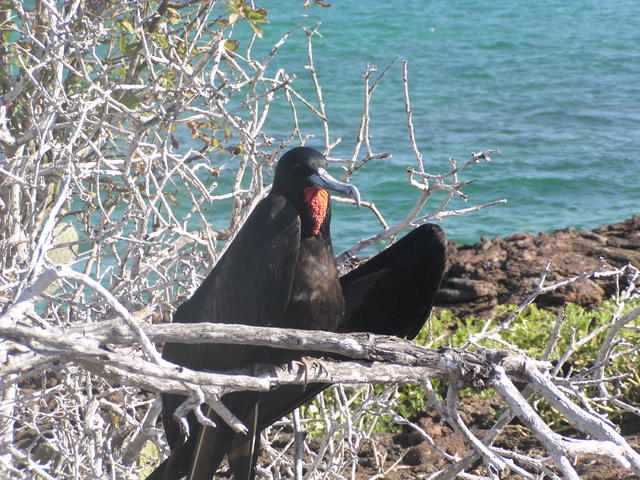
(277, 272)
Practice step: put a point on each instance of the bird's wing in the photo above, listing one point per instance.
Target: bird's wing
(250, 284)
(252, 281)
(392, 293)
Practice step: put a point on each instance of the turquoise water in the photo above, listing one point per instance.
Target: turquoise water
(555, 86)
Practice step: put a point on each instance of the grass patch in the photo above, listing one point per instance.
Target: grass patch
(529, 332)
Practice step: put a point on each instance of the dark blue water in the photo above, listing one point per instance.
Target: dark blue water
(555, 86)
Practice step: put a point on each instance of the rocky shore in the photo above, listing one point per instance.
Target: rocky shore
(502, 271)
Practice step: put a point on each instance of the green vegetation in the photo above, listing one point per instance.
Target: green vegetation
(529, 332)
(148, 459)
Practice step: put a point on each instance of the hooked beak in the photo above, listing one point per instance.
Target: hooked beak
(322, 179)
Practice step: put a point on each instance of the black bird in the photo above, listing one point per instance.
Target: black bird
(279, 271)
(392, 293)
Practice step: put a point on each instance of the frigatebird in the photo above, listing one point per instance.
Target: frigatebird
(280, 271)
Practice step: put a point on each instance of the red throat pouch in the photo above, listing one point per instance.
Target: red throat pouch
(318, 201)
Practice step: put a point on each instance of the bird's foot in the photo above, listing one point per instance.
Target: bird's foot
(307, 363)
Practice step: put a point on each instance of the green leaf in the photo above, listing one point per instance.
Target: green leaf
(174, 16)
(162, 40)
(133, 48)
(256, 29)
(257, 15)
(131, 100)
(122, 44)
(127, 25)
(231, 45)
(236, 5)
(166, 81)
(62, 233)
(148, 458)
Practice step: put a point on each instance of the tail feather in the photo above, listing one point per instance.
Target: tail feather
(211, 444)
(243, 451)
(209, 449)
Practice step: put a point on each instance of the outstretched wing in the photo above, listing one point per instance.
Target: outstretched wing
(393, 292)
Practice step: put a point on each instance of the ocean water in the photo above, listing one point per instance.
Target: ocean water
(554, 85)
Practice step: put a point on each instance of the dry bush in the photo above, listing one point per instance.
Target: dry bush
(132, 146)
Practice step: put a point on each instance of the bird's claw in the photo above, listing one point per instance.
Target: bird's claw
(306, 363)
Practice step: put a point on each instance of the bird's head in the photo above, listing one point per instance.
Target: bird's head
(303, 167)
(301, 176)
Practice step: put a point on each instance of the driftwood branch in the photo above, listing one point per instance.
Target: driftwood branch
(381, 359)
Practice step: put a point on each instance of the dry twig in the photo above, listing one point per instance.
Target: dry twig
(132, 146)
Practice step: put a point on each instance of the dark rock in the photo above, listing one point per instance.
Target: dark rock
(414, 456)
(460, 289)
(409, 439)
(506, 270)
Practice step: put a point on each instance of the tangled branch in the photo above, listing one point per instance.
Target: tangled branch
(133, 143)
